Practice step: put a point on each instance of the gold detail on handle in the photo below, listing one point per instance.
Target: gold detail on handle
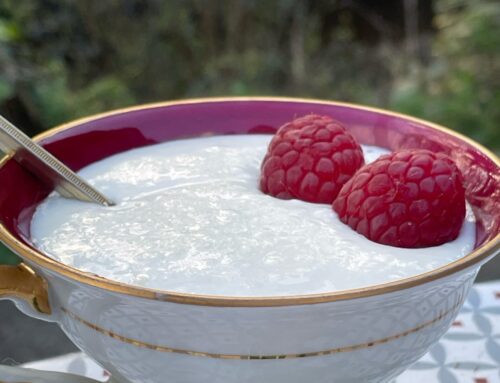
(22, 282)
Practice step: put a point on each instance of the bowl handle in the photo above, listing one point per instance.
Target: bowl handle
(21, 284)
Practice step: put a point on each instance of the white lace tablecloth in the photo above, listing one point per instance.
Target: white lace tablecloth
(468, 353)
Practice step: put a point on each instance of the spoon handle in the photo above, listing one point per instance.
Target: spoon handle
(43, 164)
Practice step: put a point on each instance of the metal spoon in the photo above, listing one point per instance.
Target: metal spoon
(44, 165)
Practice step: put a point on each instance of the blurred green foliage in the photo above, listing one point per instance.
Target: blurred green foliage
(64, 59)
(461, 86)
(7, 257)
(437, 59)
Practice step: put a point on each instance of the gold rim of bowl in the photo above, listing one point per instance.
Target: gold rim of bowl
(43, 261)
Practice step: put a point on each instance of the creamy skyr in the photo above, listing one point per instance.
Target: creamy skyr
(191, 218)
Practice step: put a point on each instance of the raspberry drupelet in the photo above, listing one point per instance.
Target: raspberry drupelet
(310, 158)
(410, 198)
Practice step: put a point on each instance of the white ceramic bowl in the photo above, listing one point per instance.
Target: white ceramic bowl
(147, 336)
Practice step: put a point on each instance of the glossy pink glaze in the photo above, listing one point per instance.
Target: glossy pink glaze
(91, 141)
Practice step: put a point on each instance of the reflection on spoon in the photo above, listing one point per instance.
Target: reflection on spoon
(44, 165)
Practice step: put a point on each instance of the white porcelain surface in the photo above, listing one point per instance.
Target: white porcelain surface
(468, 352)
(402, 326)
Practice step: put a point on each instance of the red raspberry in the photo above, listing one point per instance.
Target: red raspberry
(410, 198)
(310, 158)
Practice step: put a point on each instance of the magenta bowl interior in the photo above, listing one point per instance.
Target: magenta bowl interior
(82, 142)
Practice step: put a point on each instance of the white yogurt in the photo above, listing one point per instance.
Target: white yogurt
(190, 218)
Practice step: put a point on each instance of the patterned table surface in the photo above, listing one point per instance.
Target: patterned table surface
(468, 353)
